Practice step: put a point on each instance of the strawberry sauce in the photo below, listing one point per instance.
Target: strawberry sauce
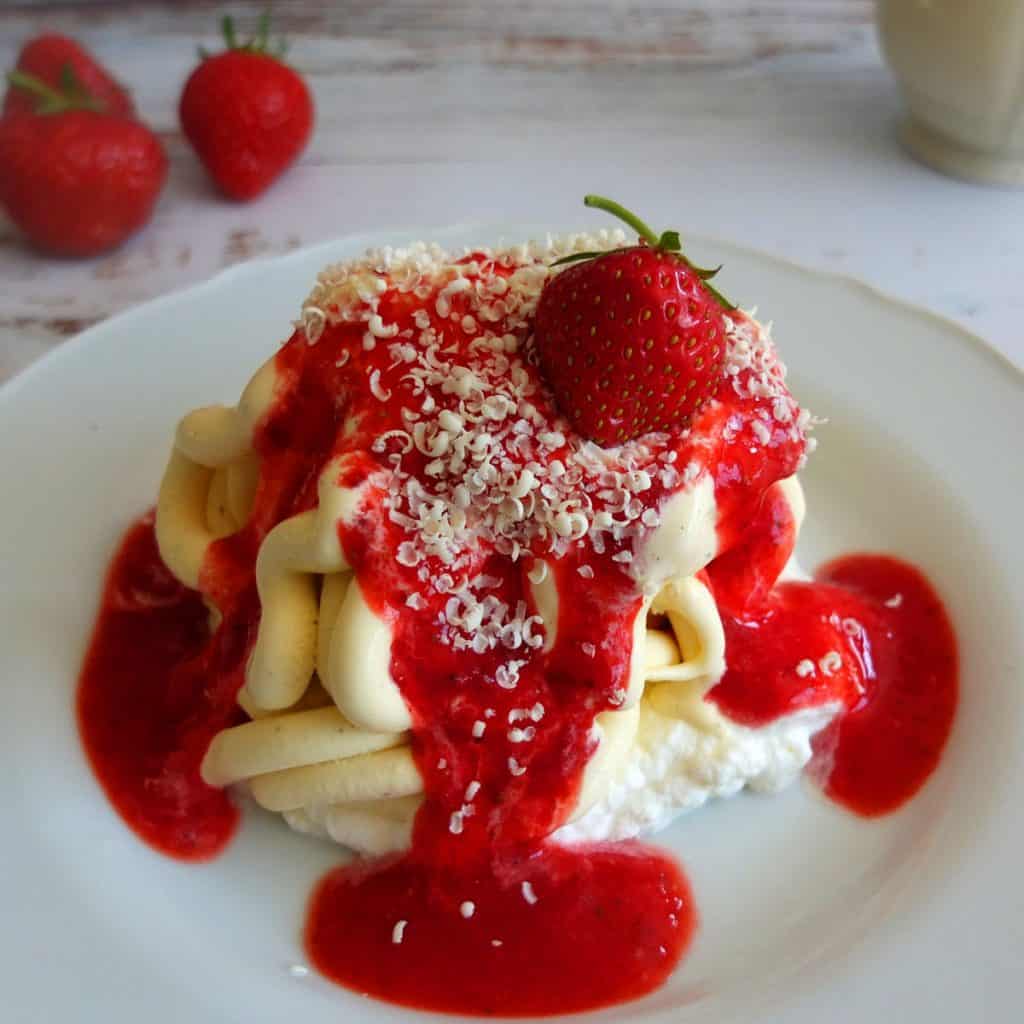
(154, 691)
(869, 634)
(484, 914)
(608, 924)
(879, 754)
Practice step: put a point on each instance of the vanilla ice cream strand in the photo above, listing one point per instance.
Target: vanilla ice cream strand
(213, 436)
(691, 610)
(205, 440)
(357, 671)
(660, 651)
(284, 656)
(545, 600)
(288, 645)
(794, 494)
(685, 540)
(374, 776)
(333, 589)
(314, 697)
(182, 533)
(287, 741)
(219, 520)
(195, 507)
(231, 494)
(217, 435)
(243, 476)
(615, 732)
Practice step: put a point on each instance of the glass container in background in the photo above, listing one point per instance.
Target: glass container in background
(961, 68)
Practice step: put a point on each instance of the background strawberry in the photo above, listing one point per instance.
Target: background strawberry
(631, 340)
(51, 59)
(77, 182)
(247, 114)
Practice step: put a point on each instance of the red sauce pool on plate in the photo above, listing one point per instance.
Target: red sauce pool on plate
(869, 633)
(605, 925)
(896, 675)
(879, 754)
(151, 697)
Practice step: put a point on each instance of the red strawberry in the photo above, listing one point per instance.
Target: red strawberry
(631, 340)
(247, 114)
(48, 58)
(77, 182)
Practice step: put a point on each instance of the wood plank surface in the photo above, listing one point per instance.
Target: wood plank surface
(770, 123)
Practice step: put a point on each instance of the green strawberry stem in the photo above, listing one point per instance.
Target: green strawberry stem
(259, 43)
(626, 216)
(227, 28)
(667, 241)
(50, 100)
(263, 31)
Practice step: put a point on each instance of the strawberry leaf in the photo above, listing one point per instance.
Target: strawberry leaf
(578, 257)
(258, 43)
(75, 91)
(71, 95)
(227, 27)
(669, 241)
(262, 33)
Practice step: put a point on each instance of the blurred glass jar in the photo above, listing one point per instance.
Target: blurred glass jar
(961, 66)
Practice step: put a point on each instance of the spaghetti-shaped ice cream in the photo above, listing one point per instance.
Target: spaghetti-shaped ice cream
(445, 436)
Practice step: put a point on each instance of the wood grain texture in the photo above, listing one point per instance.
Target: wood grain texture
(749, 119)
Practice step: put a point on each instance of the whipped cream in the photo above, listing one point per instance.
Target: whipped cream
(676, 765)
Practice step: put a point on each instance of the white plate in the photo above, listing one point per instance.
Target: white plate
(808, 913)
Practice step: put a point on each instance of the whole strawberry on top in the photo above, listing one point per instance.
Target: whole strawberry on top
(50, 59)
(631, 340)
(247, 114)
(75, 179)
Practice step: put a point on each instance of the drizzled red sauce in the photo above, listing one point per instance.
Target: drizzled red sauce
(869, 634)
(883, 750)
(153, 693)
(450, 926)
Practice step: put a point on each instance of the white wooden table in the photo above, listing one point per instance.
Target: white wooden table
(770, 123)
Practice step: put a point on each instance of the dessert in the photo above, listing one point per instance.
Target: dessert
(484, 620)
